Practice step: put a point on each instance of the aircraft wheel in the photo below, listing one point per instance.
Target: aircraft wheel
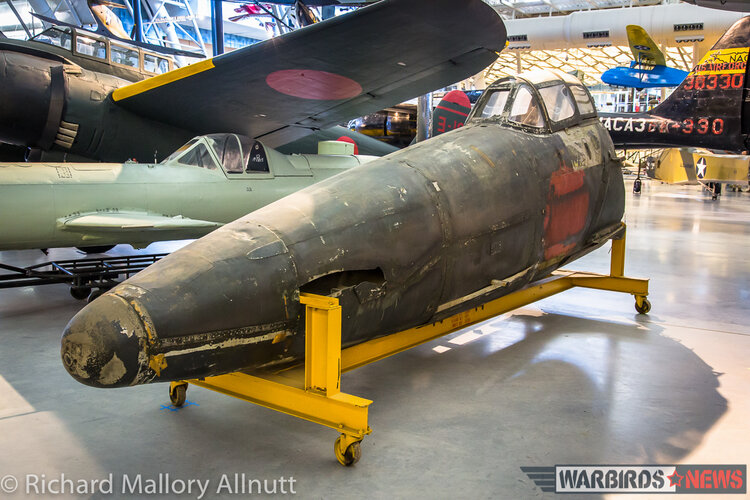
(80, 292)
(96, 249)
(637, 186)
(350, 456)
(178, 394)
(642, 305)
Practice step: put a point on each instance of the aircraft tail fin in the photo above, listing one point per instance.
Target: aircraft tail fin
(645, 50)
(711, 100)
(450, 113)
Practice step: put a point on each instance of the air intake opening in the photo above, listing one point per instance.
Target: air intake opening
(334, 282)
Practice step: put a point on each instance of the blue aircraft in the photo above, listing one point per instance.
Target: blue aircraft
(648, 70)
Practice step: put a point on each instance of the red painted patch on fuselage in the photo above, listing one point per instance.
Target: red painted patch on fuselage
(313, 84)
(566, 212)
(564, 182)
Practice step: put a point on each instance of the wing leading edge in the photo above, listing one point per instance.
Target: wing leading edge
(324, 74)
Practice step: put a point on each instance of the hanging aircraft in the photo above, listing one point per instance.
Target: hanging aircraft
(530, 183)
(208, 182)
(707, 110)
(648, 70)
(277, 91)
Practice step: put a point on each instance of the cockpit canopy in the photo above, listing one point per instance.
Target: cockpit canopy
(542, 101)
(236, 154)
(102, 49)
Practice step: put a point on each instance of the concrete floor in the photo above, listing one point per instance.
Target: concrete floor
(578, 378)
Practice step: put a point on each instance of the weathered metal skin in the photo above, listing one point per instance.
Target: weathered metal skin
(404, 240)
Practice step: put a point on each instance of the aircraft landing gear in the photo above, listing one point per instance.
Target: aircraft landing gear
(637, 186)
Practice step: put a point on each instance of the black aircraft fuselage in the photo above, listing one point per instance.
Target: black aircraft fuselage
(529, 183)
(710, 108)
(54, 97)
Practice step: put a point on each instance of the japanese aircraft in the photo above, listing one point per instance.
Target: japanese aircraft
(208, 182)
(530, 182)
(649, 69)
(276, 91)
(707, 110)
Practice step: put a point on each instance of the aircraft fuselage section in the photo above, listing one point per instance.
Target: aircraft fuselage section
(405, 240)
(638, 130)
(40, 201)
(49, 105)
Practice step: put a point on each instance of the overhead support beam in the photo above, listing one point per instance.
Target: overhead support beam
(138, 21)
(424, 115)
(510, 6)
(592, 4)
(217, 27)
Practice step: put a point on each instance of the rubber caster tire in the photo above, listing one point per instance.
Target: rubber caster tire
(96, 249)
(644, 307)
(178, 395)
(352, 454)
(80, 293)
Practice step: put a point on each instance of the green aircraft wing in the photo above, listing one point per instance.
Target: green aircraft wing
(327, 73)
(645, 50)
(129, 221)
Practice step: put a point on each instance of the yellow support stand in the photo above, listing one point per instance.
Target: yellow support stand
(315, 393)
(316, 396)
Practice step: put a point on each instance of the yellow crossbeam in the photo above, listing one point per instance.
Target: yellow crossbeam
(343, 412)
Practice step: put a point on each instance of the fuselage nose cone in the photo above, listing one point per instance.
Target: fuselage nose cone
(101, 344)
